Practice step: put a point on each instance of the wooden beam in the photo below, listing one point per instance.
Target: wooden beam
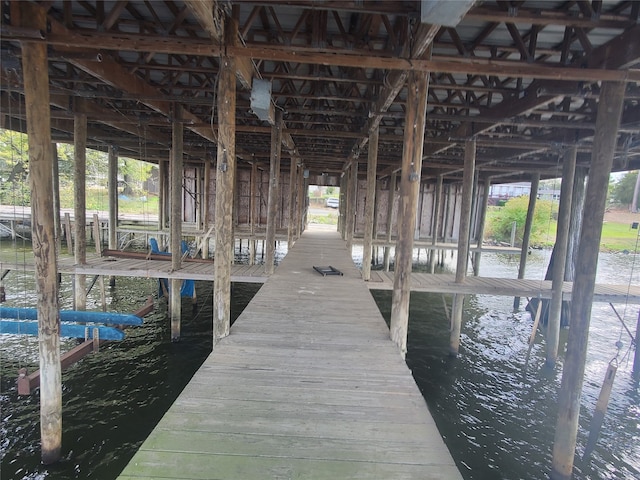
(345, 58)
(417, 85)
(36, 85)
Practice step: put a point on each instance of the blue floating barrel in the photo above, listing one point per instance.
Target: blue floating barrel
(73, 330)
(106, 318)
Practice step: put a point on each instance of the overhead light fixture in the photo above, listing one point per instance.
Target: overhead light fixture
(261, 104)
(444, 12)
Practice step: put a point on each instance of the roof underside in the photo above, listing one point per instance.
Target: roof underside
(522, 77)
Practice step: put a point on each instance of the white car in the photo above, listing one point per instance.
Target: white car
(333, 202)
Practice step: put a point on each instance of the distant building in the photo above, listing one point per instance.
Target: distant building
(500, 193)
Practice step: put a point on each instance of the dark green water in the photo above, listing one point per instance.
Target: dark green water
(497, 418)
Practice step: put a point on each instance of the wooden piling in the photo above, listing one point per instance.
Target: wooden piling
(437, 201)
(350, 211)
(302, 202)
(390, 199)
(291, 224)
(225, 184)
(604, 142)
(176, 166)
(417, 83)
(524, 250)
(253, 192)
(36, 90)
(482, 215)
(463, 243)
(562, 238)
(56, 199)
(372, 165)
(80, 206)
(274, 192)
(206, 193)
(162, 194)
(601, 409)
(112, 187)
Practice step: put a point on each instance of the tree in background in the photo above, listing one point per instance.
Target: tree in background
(134, 174)
(501, 219)
(14, 168)
(625, 191)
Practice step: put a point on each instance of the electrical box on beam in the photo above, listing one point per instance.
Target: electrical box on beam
(261, 104)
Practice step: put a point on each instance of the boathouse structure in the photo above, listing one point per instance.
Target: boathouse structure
(414, 108)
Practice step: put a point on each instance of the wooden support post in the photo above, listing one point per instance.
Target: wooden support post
(303, 188)
(437, 202)
(36, 90)
(67, 232)
(463, 243)
(112, 186)
(604, 142)
(80, 206)
(176, 165)
(205, 207)
(601, 408)
(162, 194)
(342, 203)
(417, 86)
(482, 215)
(350, 211)
(56, 199)
(97, 236)
(225, 184)
(291, 225)
(562, 239)
(253, 191)
(274, 192)
(390, 199)
(524, 250)
(372, 165)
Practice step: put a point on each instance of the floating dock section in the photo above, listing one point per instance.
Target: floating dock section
(307, 385)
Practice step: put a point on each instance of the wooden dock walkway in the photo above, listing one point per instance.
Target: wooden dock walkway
(126, 267)
(307, 386)
(509, 287)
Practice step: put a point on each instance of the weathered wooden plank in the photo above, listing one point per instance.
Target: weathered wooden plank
(305, 389)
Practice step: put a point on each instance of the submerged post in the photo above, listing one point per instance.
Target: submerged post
(176, 166)
(463, 243)
(36, 91)
(274, 192)
(372, 165)
(524, 250)
(225, 184)
(562, 240)
(80, 206)
(417, 86)
(604, 142)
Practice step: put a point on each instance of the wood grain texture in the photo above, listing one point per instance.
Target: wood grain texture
(307, 385)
